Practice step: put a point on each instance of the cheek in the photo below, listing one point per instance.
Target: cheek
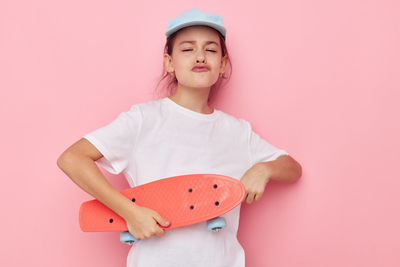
(180, 62)
(215, 60)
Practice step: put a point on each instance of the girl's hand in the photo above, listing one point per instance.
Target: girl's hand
(143, 223)
(254, 180)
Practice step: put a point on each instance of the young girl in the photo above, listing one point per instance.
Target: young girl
(178, 135)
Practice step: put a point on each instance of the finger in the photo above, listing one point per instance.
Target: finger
(134, 235)
(161, 232)
(250, 198)
(245, 198)
(161, 220)
(257, 197)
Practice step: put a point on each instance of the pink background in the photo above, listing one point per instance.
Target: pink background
(319, 79)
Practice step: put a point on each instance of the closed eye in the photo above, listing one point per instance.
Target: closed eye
(192, 49)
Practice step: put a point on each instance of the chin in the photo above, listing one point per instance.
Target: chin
(199, 82)
(200, 85)
(203, 83)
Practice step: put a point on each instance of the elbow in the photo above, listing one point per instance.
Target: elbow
(61, 161)
(64, 160)
(298, 171)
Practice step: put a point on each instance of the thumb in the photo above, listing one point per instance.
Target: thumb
(161, 220)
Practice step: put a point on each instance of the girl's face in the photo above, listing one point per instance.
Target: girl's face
(196, 45)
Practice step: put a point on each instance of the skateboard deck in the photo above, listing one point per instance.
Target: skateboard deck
(182, 200)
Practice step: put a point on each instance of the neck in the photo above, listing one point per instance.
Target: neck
(195, 99)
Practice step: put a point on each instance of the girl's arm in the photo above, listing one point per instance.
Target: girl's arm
(255, 179)
(78, 163)
(283, 169)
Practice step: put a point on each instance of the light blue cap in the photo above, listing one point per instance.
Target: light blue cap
(196, 17)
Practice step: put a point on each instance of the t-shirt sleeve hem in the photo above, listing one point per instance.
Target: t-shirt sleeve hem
(279, 153)
(105, 161)
(274, 156)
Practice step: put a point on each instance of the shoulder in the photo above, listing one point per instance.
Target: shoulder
(234, 122)
(147, 107)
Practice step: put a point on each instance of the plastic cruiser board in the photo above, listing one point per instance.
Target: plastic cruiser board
(182, 200)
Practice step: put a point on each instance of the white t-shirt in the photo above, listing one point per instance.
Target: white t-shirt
(160, 139)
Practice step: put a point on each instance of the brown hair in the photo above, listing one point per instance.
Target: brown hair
(172, 82)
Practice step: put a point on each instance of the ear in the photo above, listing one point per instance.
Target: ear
(168, 63)
(224, 60)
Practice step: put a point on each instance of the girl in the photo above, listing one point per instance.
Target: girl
(178, 135)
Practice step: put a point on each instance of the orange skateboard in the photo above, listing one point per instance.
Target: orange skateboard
(182, 200)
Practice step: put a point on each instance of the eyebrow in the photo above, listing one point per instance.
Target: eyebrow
(192, 42)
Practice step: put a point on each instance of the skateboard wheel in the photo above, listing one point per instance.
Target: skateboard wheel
(127, 238)
(216, 224)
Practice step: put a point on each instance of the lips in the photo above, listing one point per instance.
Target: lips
(200, 68)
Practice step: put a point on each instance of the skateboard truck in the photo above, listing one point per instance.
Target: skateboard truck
(214, 225)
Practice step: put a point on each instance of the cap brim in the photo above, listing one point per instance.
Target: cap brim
(193, 23)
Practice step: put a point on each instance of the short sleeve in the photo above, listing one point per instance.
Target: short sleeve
(260, 150)
(116, 140)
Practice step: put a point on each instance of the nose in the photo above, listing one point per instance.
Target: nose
(200, 57)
